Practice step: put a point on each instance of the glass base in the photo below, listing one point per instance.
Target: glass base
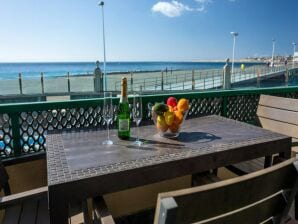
(138, 143)
(169, 134)
(107, 142)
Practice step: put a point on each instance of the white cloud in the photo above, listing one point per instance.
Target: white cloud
(171, 9)
(176, 8)
(203, 1)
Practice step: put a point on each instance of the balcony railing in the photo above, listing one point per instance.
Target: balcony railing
(23, 126)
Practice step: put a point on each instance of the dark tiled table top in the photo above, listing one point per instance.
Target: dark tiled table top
(76, 155)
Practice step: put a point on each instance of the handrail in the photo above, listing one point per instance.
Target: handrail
(33, 106)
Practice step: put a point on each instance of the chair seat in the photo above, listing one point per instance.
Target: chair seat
(30, 212)
(35, 212)
(247, 166)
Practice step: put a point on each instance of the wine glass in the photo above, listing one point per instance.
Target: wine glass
(107, 114)
(137, 112)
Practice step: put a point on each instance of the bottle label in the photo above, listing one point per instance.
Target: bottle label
(123, 125)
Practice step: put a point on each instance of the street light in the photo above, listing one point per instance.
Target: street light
(101, 4)
(273, 47)
(234, 34)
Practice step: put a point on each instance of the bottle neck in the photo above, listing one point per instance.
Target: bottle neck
(123, 97)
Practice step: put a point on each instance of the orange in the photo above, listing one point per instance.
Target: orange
(174, 127)
(183, 105)
(178, 117)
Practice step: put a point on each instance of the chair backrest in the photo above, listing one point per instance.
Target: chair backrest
(279, 114)
(265, 195)
(4, 180)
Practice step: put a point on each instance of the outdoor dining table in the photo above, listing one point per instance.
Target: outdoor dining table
(80, 167)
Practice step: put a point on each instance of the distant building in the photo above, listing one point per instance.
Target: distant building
(295, 58)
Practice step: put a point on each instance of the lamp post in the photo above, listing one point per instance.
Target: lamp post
(273, 48)
(101, 4)
(294, 46)
(234, 34)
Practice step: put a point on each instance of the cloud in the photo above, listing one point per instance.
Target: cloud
(203, 1)
(176, 8)
(171, 9)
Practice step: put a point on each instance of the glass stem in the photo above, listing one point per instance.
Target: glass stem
(138, 131)
(108, 127)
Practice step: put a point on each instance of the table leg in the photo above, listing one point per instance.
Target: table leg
(58, 208)
(285, 155)
(268, 161)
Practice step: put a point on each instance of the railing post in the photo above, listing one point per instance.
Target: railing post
(131, 81)
(98, 79)
(161, 80)
(286, 77)
(15, 128)
(20, 83)
(42, 83)
(227, 75)
(68, 82)
(258, 78)
(193, 80)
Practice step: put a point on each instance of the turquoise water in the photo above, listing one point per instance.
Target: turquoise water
(11, 70)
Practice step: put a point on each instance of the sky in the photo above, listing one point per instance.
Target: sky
(145, 30)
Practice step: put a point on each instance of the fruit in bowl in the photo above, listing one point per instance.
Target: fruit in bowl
(169, 117)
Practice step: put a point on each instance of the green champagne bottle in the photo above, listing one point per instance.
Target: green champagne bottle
(123, 119)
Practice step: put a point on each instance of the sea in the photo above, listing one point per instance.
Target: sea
(51, 69)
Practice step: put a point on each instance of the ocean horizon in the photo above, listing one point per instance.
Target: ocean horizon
(11, 70)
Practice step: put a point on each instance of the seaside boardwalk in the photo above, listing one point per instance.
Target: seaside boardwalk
(168, 80)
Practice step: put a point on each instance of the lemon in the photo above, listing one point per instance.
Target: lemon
(169, 117)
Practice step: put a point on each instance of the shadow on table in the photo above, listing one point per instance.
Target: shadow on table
(184, 137)
(154, 145)
(200, 137)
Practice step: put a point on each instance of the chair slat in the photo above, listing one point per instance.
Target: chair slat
(279, 102)
(247, 166)
(281, 115)
(270, 207)
(212, 200)
(280, 127)
(43, 212)
(12, 215)
(29, 212)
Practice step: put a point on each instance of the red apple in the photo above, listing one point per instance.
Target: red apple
(172, 101)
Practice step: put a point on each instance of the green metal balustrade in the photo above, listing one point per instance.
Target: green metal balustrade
(23, 126)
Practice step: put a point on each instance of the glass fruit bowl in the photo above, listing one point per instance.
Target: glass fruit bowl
(168, 118)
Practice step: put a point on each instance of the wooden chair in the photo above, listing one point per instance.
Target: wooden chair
(261, 197)
(29, 207)
(276, 114)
